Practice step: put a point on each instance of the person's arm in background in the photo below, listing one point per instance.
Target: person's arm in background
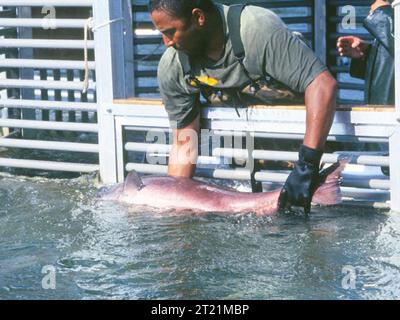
(380, 24)
(184, 152)
(356, 49)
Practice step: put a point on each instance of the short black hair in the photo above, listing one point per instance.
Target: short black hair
(181, 9)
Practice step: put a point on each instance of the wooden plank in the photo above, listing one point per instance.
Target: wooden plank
(367, 108)
(135, 100)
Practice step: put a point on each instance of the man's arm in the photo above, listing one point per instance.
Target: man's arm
(320, 100)
(184, 152)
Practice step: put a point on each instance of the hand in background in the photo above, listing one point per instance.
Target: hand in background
(379, 3)
(352, 47)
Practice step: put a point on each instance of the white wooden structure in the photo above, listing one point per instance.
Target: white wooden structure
(118, 113)
(395, 138)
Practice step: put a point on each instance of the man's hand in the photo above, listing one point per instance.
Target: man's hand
(303, 180)
(379, 3)
(352, 47)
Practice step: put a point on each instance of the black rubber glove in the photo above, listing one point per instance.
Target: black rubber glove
(302, 181)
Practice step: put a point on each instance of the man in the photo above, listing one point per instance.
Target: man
(374, 62)
(198, 38)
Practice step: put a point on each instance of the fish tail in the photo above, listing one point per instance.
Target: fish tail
(328, 192)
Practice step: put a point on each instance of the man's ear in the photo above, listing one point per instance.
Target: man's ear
(198, 17)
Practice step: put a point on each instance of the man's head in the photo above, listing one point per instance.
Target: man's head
(183, 23)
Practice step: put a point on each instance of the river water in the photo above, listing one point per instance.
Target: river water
(57, 241)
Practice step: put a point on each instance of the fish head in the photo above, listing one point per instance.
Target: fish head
(111, 193)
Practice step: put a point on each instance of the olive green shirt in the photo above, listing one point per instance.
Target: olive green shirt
(270, 49)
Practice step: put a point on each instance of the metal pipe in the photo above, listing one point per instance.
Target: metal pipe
(293, 156)
(42, 3)
(49, 125)
(147, 147)
(367, 204)
(262, 135)
(366, 183)
(367, 194)
(45, 43)
(361, 159)
(292, 136)
(49, 85)
(147, 168)
(277, 177)
(237, 174)
(49, 145)
(42, 23)
(45, 64)
(163, 150)
(161, 130)
(48, 165)
(48, 105)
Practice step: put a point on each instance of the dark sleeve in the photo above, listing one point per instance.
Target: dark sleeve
(358, 67)
(381, 25)
(181, 108)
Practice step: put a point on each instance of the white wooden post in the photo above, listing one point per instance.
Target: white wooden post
(320, 33)
(394, 151)
(120, 147)
(114, 73)
(26, 53)
(129, 75)
(394, 142)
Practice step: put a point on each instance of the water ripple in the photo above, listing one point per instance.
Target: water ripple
(110, 251)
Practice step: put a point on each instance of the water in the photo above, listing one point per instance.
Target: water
(103, 250)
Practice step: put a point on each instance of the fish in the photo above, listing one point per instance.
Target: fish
(181, 194)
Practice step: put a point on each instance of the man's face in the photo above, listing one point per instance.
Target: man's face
(186, 36)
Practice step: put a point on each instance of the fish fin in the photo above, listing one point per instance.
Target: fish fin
(133, 182)
(328, 192)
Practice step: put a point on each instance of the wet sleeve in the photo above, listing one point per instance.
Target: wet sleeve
(358, 68)
(381, 25)
(290, 61)
(182, 106)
